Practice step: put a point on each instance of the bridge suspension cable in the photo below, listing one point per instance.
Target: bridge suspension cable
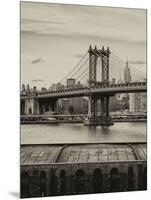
(85, 72)
(81, 66)
(136, 73)
(75, 67)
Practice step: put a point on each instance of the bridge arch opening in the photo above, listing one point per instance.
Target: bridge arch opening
(80, 181)
(114, 180)
(97, 180)
(53, 182)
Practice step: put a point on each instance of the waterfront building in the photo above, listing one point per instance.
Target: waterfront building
(138, 102)
(82, 168)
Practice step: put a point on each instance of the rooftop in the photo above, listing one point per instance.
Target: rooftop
(82, 153)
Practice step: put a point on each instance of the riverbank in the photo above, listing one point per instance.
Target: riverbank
(76, 121)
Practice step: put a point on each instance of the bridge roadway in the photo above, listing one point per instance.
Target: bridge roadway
(86, 91)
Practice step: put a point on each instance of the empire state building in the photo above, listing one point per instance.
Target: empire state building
(127, 74)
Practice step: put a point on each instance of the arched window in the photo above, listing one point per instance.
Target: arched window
(43, 182)
(80, 181)
(97, 181)
(53, 182)
(62, 182)
(25, 183)
(131, 179)
(114, 180)
(35, 184)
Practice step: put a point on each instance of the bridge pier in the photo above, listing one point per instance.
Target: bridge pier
(29, 106)
(93, 119)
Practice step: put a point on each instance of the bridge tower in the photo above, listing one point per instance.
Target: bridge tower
(93, 119)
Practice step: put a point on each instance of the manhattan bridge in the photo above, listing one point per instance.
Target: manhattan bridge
(96, 62)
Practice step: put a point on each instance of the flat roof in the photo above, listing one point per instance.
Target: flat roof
(82, 153)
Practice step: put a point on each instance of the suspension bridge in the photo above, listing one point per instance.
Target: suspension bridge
(100, 73)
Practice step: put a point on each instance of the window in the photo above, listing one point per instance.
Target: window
(114, 180)
(62, 182)
(80, 181)
(97, 181)
(43, 182)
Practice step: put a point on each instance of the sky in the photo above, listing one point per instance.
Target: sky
(54, 37)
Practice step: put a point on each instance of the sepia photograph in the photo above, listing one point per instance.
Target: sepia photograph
(83, 99)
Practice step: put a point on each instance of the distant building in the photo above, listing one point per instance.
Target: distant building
(79, 85)
(138, 102)
(57, 86)
(71, 82)
(127, 74)
(132, 102)
(119, 81)
(23, 88)
(43, 89)
(113, 80)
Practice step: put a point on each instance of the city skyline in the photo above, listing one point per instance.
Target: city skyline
(52, 39)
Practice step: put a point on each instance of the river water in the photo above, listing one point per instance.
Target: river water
(78, 133)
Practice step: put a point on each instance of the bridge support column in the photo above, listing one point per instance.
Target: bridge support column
(31, 106)
(105, 118)
(92, 106)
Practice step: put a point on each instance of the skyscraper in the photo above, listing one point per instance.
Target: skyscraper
(127, 73)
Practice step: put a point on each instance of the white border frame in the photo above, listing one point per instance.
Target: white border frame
(9, 99)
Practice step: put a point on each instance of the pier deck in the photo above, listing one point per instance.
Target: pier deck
(78, 153)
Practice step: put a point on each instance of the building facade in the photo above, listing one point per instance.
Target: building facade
(82, 169)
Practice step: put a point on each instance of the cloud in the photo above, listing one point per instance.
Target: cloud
(37, 60)
(78, 55)
(38, 80)
(138, 62)
(40, 21)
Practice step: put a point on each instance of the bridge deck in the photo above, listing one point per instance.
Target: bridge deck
(86, 91)
(78, 153)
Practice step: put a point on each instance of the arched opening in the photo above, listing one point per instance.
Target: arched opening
(30, 111)
(80, 181)
(145, 179)
(43, 182)
(53, 182)
(97, 181)
(25, 183)
(131, 179)
(114, 180)
(62, 182)
(35, 184)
